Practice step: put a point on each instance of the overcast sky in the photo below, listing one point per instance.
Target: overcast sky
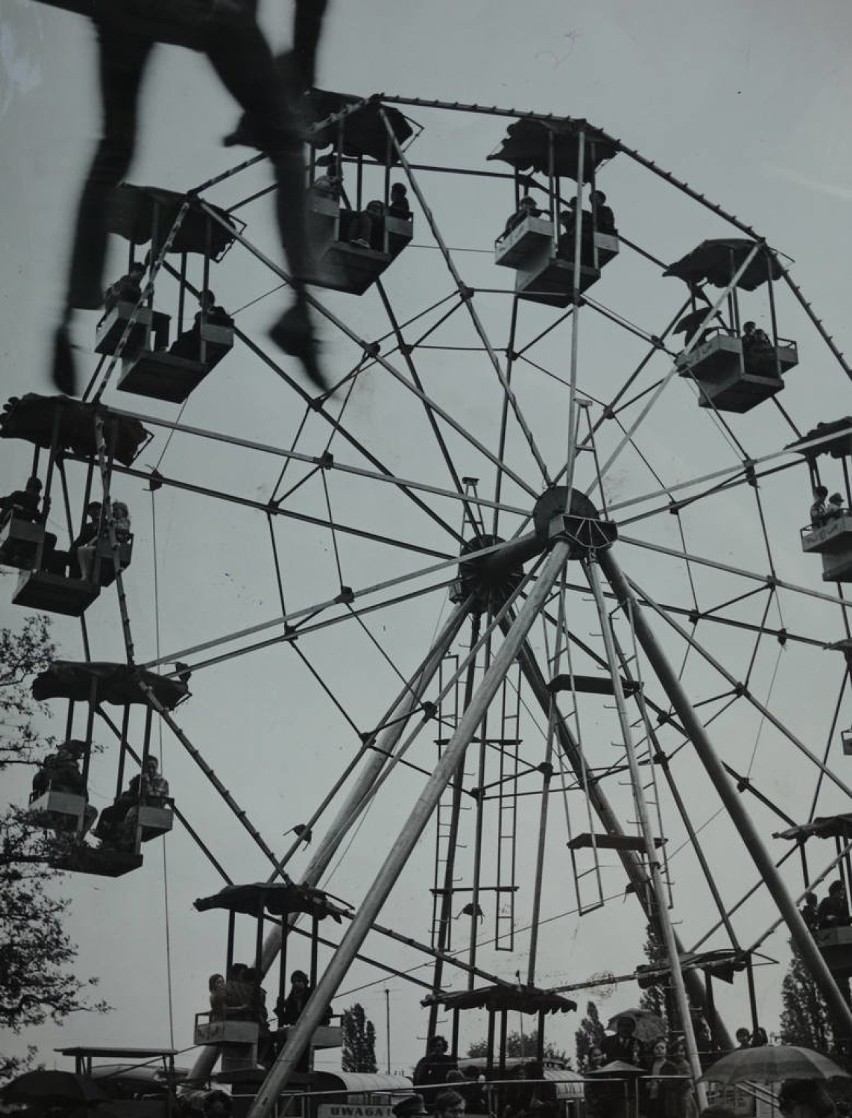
(748, 103)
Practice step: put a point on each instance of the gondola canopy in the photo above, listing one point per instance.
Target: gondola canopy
(717, 262)
(529, 144)
(518, 999)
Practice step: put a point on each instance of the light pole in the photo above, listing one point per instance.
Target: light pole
(387, 1023)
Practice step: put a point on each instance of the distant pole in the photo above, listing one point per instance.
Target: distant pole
(387, 1023)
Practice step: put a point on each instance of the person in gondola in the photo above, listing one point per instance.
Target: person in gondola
(759, 1038)
(82, 550)
(758, 353)
(834, 508)
(128, 289)
(329, 185)
(433, 1067)
(211, 310)
(60, 772)
(231, 998)
(23, 503)
(743, 1036)
(229, 35)
(526, 208)
(148, 788)
(215, 984)
(399, 205)
(604, 217)
(833, 909)
(121, 521)
(818, 509)
(808, 912)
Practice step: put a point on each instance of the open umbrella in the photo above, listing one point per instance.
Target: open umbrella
(616, 1069)
(772, 1063)
(648, 1025)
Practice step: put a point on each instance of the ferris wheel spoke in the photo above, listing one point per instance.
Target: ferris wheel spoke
(466, 297)
(386, 365)
(433, 423)
(750, 698)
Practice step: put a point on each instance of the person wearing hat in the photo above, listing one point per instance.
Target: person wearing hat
(60, 772)
(412, 1106)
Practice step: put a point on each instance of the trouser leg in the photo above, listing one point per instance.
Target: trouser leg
(244, 63)
(122, 59)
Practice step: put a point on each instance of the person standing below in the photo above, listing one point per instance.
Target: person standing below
(448, 1104)
(432, 1068)
(683, 1101)
(227, 32)
(624, 1045)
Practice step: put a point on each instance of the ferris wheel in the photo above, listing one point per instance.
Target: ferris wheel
(541, 563)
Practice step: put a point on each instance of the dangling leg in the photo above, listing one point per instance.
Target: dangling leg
(122, 59)
(244, 63)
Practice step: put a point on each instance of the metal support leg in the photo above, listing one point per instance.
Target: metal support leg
(298, 1038)
(804, 941)
(647, 834)
(632, 866)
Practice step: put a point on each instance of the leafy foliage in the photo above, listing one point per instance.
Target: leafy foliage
(522, 1044)
(658, 996)
(37, 982)
(589, 1035)
(805, 1019)
(22, 655)
(359, 1040)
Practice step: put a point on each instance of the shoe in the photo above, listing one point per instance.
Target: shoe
(360, 242)
(63, 373)
(294, 334)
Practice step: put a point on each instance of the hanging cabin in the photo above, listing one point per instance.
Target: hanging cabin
(532, 244)
(732, 374)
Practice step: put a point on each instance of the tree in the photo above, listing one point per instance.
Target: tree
(22, 655)
(37, 983)
(805, 1020)
(522, 1045)
(359, 1040)
(658, 995)
(589, 1035)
